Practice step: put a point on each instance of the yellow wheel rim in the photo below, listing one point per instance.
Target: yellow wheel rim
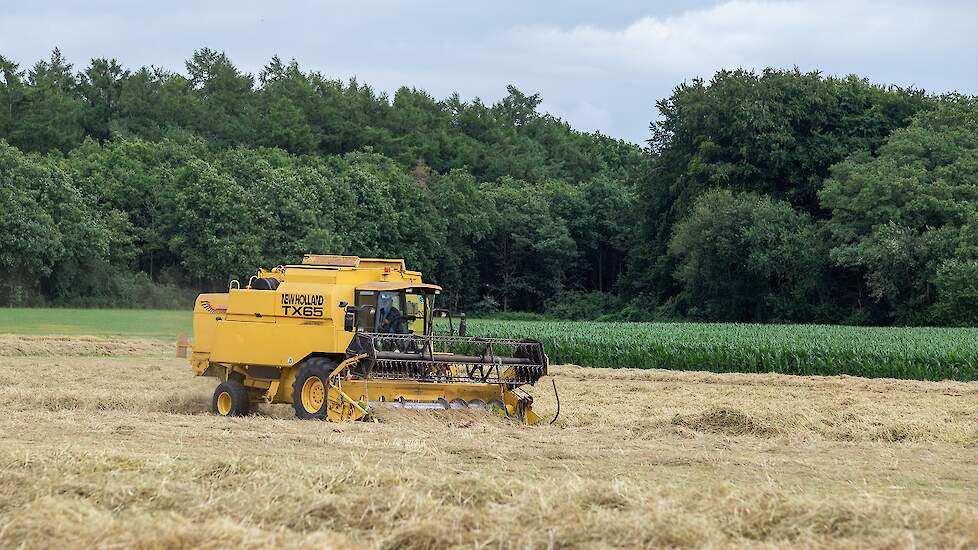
(313, 394)
(224, 403)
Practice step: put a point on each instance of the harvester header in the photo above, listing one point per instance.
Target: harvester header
(336, 336)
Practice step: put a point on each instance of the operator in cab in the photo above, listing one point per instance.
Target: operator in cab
(391, 320)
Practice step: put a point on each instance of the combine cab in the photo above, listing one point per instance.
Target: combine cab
(337, 336)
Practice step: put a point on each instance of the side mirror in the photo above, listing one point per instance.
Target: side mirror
(349, 321)
(461, 325)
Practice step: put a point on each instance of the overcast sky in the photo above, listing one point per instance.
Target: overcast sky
(600, 65)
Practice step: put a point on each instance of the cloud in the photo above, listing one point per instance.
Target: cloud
(928, 45)
(759, 34)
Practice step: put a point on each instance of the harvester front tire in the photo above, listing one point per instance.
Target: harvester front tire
(310, 388)
(230, 399)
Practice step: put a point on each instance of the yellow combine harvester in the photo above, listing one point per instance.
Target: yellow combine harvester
(338, 335)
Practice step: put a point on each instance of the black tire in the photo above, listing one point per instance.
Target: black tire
(313, 368)
(235, 404)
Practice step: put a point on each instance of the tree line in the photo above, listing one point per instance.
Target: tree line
(772, 196)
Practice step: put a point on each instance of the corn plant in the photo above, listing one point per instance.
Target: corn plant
(912, 353)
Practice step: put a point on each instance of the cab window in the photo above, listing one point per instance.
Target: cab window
(390, 313)
(366, 317)
(393, 312)
(414, 312)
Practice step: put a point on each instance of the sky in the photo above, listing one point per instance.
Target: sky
(598, 65)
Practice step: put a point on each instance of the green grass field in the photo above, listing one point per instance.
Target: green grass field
(912, 353)
(144, 323)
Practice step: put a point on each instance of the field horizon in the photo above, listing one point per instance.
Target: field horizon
(912, 353)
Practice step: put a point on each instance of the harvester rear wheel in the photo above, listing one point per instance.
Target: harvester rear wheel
(230, 399)
(310, 388)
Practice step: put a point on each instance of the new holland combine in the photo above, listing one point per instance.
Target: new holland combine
(337, 336)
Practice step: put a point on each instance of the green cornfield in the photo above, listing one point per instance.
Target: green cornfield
(874, 352)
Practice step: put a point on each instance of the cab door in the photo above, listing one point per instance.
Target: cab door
(415, 313)
(366, 316)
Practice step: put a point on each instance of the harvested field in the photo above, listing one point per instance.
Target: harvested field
(34, 346)
(112, 446)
